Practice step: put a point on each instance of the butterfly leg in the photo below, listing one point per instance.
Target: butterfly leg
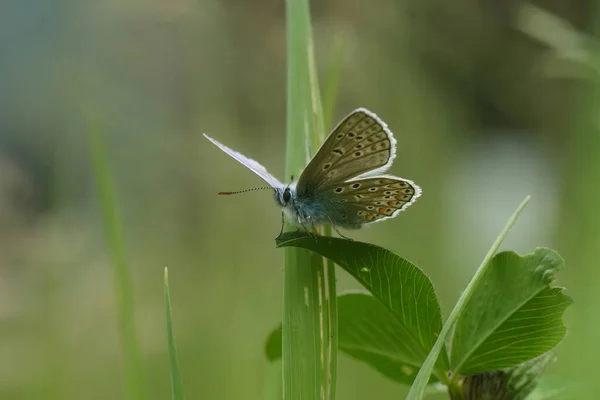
(339, 233)
(310, 233)
(314, 229)
(304, 228)
(302, 219)
(282, 224)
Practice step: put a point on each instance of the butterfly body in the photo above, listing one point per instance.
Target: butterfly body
(307, 209)
(343, 184)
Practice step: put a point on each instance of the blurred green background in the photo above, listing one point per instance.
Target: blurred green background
(489, 100)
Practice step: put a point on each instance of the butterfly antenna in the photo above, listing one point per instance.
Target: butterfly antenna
(245, 190)
(291, 181)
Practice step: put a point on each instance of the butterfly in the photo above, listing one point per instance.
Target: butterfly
(343, 185)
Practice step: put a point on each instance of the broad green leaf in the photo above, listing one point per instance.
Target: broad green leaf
(403, 289)
(513, 315)
(369, 332)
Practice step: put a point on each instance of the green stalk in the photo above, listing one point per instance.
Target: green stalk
(417, 390)
(309, 334)
(121, 271)
(176, 381)
(332, 78)
(329, 291)
(580, 222)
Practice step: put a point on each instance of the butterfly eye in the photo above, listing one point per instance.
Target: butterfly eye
(287, 195)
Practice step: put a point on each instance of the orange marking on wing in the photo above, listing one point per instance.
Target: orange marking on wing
(392, 203)
(369, 217)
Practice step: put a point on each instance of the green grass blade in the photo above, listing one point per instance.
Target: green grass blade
(176, 381)
(332, 78)
(332, 331)
(329, 293)
(121, 272)
(303, 371)
(418, 388)
(308, 322)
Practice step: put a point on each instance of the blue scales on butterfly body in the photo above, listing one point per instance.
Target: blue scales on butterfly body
(343, 184)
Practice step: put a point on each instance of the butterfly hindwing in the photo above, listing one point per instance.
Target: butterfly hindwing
(362, 201)
(360, 145)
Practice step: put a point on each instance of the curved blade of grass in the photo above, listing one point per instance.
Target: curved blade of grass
(403, 289)
(418, 387)
(121, 274)
(176, 381)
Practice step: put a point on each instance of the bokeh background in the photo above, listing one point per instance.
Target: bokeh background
(489, 100)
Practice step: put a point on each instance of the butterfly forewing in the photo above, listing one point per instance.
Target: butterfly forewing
(361, 144)
(367, 200)
(249, 163)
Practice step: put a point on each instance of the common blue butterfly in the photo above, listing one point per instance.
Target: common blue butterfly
(342, 185)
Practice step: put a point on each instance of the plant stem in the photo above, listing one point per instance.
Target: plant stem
(176, 381)
(308, 347)
(121, 273)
